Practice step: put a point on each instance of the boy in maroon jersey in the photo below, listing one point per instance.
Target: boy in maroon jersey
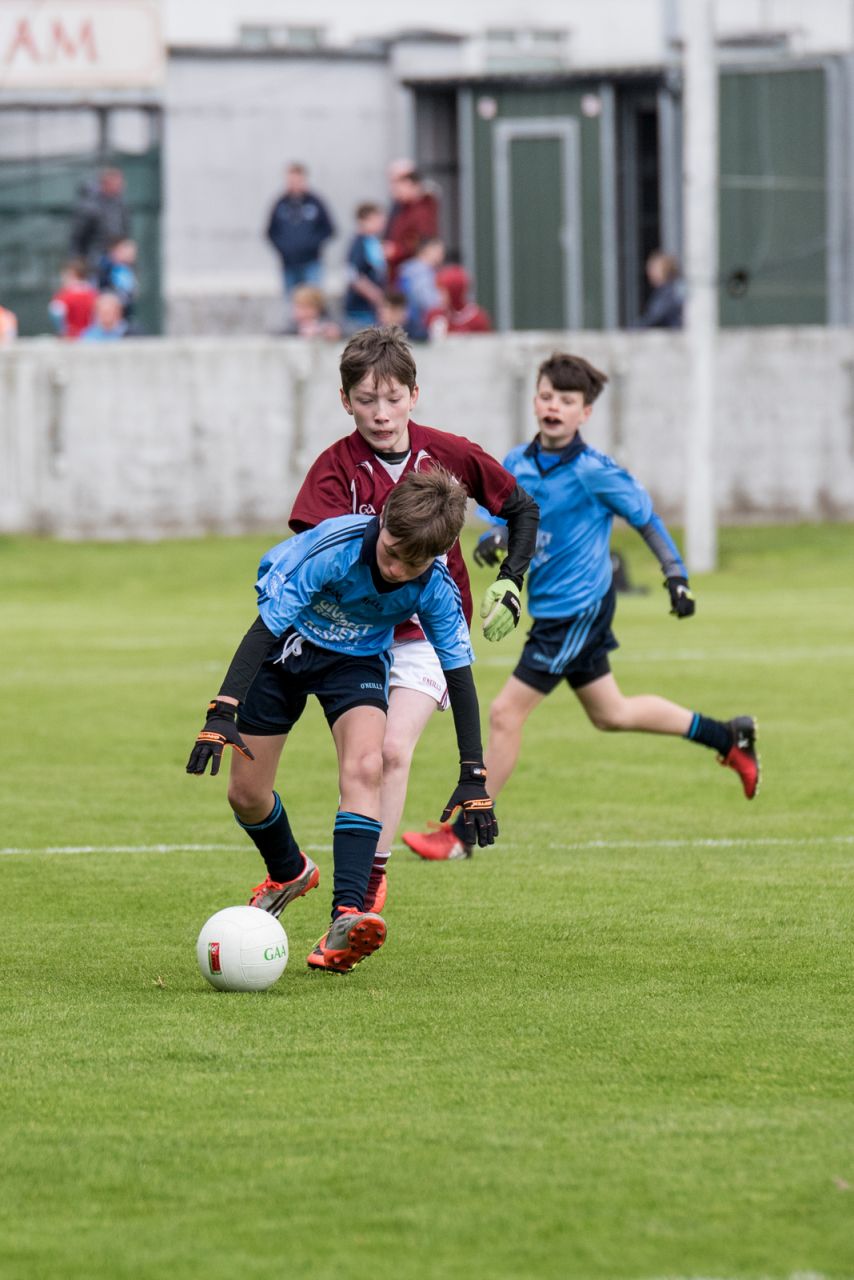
(356, 474)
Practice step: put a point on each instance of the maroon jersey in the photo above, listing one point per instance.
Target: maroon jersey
(348, 476)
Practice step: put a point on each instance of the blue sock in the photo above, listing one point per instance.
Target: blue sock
(275, 842)
(710, 733)
(354, 843)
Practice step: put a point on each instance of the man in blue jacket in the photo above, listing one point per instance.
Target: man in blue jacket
(299, 227)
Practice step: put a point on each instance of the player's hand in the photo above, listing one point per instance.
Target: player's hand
(501, 609)
(471, 798)
(220, 731)
(491, 547)
(682, 602)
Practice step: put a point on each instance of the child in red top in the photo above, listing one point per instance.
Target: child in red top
(72, 306)
(457, 315)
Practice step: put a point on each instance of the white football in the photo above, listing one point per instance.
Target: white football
(242, 949)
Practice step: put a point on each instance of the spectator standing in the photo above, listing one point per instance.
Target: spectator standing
(117, 274)
(100, 217)
(414, 218)
(366, 269)
(108, 324)
(456, 314)
(666, 302)
(72, 306)
(418, 282)
(298, 228)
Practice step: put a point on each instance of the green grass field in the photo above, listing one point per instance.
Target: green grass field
(618, 1046)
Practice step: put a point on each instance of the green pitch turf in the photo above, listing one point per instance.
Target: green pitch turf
(618, 1046)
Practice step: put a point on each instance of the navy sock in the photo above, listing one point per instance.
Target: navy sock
(275, 842)
(710, 733)
(354, 843)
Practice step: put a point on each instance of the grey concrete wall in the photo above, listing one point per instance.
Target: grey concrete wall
(164, 437)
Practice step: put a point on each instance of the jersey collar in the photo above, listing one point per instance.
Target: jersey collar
(567, 454)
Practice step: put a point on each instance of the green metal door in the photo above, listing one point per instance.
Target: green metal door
(546, 224)
(773, 198)
(536, 225)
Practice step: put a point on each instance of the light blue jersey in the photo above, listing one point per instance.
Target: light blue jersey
(579, 491)
(326, 585)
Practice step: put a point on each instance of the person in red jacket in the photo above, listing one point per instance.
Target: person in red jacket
(457, 315)
(414, 218)
(357, 474)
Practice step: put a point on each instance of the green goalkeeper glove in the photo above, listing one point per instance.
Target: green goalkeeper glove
(501, 609)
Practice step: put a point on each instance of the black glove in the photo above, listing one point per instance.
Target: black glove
(470, 796)
(682, 602)
(220, 731)
(491, 548)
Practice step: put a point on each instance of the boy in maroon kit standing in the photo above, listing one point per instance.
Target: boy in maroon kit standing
(356, 474)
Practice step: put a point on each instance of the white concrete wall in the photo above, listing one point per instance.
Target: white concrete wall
(165, 437)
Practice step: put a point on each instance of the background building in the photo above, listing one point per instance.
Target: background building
(556, 148)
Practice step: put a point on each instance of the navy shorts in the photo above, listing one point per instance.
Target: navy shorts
(295, 668)
(571, 649)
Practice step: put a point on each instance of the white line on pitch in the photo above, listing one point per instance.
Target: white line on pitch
(574, 846)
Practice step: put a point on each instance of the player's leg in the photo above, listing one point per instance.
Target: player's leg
(507, 717)
(417, 688)
(258, 809)
(273, 705)
(608, 708)
(409, 710)
(353, 932)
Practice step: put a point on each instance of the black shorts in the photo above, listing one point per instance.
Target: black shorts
(571, 649)
(295, 668)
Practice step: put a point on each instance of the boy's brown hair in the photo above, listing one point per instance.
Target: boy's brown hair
(383, 352)
(425, 512)
(366, 209)
(573, 373)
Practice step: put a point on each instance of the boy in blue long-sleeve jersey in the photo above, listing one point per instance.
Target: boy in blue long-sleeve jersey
(571, 596)
(328, 602)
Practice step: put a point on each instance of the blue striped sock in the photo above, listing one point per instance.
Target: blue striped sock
(354, 843)
(710, 733)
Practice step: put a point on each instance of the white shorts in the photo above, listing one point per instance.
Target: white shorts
(414, 665)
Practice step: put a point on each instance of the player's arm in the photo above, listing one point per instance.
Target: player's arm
(627, 497)
(286, 580)
(510, 546)
(440, 613)
(470, 794)
(662, 546)
(220, 728)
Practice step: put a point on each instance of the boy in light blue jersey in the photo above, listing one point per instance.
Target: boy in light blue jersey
(571, 596)
(328, 602)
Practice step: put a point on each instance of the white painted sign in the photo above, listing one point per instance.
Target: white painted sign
(64, 44)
